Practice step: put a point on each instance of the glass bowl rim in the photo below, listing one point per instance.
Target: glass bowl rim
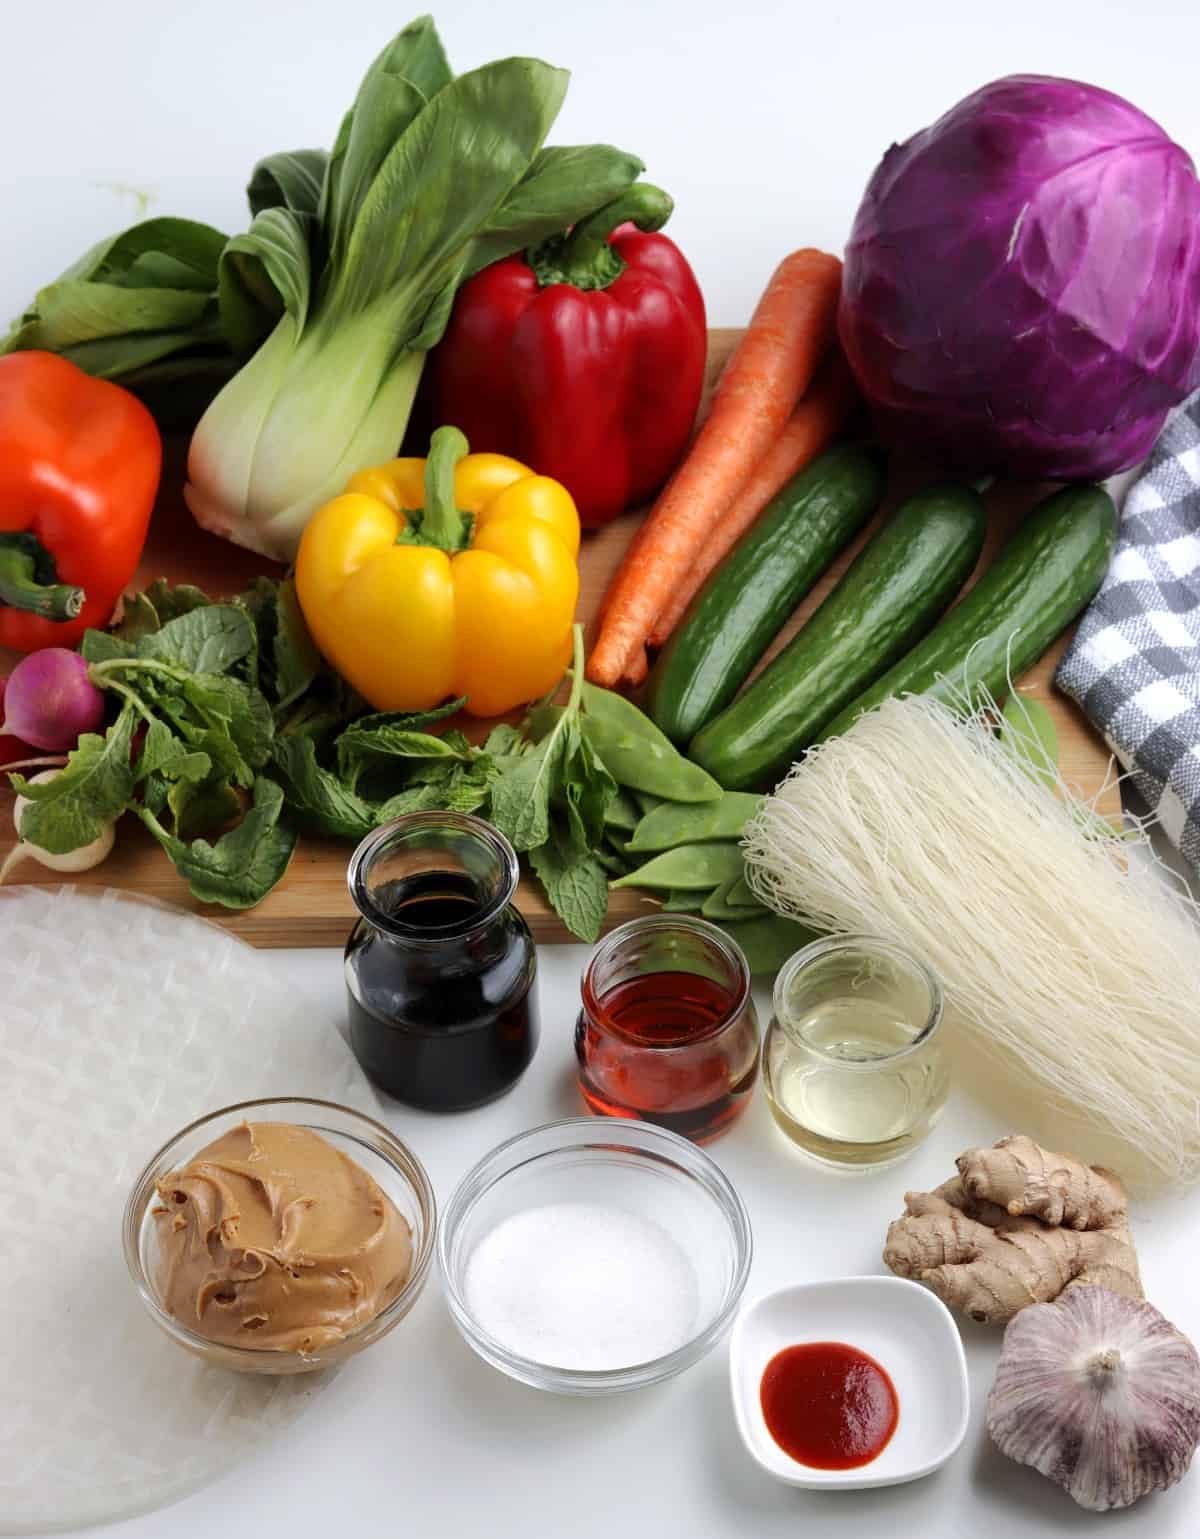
(498, 1163)
(399, 1156)
(825, 945)
(419, 935)
(692, 924)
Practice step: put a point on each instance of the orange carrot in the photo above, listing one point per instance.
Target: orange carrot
(816, 421)
(638, 670)
(770, 370)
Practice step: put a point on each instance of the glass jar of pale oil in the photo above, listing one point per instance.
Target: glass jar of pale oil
(852, 1061)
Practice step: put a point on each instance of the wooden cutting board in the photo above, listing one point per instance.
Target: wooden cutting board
(311, 907)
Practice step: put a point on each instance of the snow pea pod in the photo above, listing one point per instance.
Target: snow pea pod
(622, 812)
(767, 942)
(613, 864)
(641, 764)
(614, 844)
(692, 822)
(689, 868)
(684, 902)
(618, 711)
(637, 754)
(741, 895)
(721, 904)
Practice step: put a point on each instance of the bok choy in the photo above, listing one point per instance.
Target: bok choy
(349, 270)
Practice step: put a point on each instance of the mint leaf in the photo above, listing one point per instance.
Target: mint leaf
(73, 809)
(315, 795)
(297, 661)
(521, 796)
(362, 748)
(415, 799)
(469, 787)
(413, 721)
(260, 603)
(504, 741)
(208, 640)
(590, 789)
(244, 864)
(558, 771)
(542, 719)
(575, 883)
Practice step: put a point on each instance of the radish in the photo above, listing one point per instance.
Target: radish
(16, 755)
(50, 700)
(82, 859)
(10, 747)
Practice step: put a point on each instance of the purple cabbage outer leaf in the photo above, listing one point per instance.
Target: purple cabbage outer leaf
(1022, 284)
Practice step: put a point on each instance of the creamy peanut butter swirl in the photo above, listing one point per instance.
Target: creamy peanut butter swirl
(271, 1238)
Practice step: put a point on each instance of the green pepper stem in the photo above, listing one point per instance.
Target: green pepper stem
(441, 523)
(20, 589)
(584, 258)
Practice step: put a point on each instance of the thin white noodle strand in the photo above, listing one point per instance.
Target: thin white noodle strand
(1070, 966)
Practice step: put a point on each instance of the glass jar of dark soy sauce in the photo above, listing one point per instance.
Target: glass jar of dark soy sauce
(440, 967)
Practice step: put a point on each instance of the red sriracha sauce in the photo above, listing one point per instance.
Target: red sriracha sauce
(828, 1405)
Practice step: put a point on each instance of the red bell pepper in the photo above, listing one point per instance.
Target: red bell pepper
(79, 466)
(583, 358)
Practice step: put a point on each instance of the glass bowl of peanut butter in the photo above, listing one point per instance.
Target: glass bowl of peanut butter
(280, 1236)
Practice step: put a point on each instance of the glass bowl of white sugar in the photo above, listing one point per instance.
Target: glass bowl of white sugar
(592, 1256)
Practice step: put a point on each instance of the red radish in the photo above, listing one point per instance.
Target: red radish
(11, 747)
(50, 699)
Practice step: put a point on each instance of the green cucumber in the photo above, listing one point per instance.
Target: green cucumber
(735, 616)
(897, 587)
(1047, 573)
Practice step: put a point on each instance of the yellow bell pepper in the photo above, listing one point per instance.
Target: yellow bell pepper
(455, 575)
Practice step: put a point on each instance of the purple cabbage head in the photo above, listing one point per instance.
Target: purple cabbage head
(1022, 284)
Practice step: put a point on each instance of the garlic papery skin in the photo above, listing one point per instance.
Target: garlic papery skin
(1099, 1392)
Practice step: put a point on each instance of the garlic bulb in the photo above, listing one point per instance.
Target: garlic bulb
(1099, 1392)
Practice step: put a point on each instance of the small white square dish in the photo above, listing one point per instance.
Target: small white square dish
(909, 1333)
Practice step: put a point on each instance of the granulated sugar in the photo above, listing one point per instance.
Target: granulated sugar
(583, 1285)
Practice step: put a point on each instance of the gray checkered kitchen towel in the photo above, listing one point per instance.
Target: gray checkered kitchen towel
(1134, 665)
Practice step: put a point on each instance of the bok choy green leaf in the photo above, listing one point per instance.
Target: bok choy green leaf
(430, 178)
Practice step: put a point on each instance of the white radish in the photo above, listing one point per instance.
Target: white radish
(82, 859)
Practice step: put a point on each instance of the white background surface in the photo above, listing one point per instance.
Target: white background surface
(764, 120)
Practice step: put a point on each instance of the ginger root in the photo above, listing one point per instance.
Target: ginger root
(1016, 1226)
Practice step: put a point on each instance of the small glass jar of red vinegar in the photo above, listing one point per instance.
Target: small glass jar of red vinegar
(668, 1032)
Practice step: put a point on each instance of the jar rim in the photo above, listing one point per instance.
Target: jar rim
(830, 944)
(486, 834)
(701, 929)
